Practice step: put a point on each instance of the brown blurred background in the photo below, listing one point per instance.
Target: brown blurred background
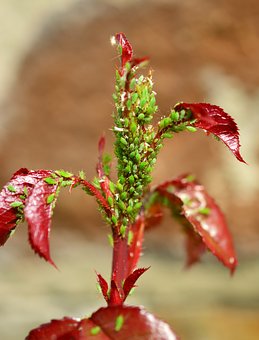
(57, 70)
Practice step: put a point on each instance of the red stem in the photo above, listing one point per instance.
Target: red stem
(119, 260)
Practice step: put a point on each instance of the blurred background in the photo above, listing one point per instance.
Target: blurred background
(56, 80)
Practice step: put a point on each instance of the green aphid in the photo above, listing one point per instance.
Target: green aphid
(127, 66)
(137, 206)
(123, 141)
(121, 205)
(126, 122)
(114, 219)
(174, 115)
(191, 128)
(110, 201)
(95, 330)
(127, 169)
(119, 323)
(63, 173)
(167, 135)
(140, 79)
(132, 83)
(132, 147)
(142, 102)
(148, 119)
(139, 189)
(50, 180)
(11, 188)
(135, 169)
(123, 229)
(119, 186)
(112, 187)
(131, 179)
(134, 98)
(82, 174)
(130, 237)
(123, 195)
(122, 179)
(50, 198)
(132, 154)
(129, 209)
(137, 157)
(110, 240)
(142, 165)
(25, 190)
(119, 49)
(133, 127)
(190, 178)
(204, 211)
(152, 101)
(66, 183)
(128, 104)
(16, 204)
(114, 96)
(141, 116)
(182, 114)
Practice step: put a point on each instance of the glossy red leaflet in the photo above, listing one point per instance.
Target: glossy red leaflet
(38, 213)
(131, 280)
(215, 120)
(13, 198)
(103, 285)
(67, 329)
(120, 322)
(135, 247)
(127, 52)
(201, 211)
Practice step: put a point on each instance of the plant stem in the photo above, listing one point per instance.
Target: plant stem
(119, 260)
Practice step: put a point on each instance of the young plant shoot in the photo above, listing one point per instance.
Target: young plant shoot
(128, 204)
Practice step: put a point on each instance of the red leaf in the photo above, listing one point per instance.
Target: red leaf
(204, 215)
(120, 322)
(38, 214)
(131, 280)
(16, 190)
(195, 247)
(214, 120)
(128, 322)
(127, 51)
(68, 329)
(154, 215)
(104, 286)
(135, 248)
